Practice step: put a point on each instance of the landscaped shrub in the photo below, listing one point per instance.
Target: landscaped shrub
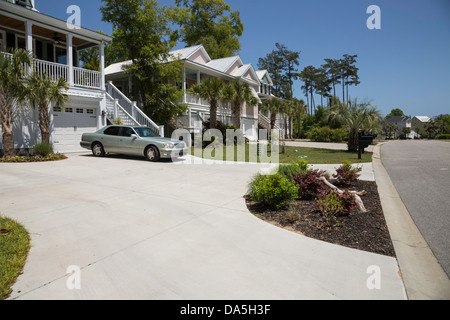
(309, 185)
(332, 203)
(443, 136)
(274, 190)
(289, 170)
(346, 174)
(339, 135)
(42, 149)
(38, 158)
(326, 134)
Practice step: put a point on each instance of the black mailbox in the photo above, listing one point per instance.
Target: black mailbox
(363, 142)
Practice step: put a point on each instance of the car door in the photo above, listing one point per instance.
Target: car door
(128, 144)
(110, 139)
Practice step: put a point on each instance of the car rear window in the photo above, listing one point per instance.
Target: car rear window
(112, 131)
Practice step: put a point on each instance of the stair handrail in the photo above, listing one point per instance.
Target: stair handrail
(134, 109)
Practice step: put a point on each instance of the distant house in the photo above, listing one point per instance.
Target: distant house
(418, 125)
(401, 122)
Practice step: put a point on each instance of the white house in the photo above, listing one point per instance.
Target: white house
(418, 125)
(197, 66)
(401, 122)
(55, 45)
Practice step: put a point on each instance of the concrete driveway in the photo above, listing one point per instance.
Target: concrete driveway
(140, 230)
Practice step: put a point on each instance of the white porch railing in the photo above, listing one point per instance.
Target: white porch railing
(81, 77)
(51, 69)
(87, 78)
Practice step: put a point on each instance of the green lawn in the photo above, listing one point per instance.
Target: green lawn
(14, 247)
(311, 155)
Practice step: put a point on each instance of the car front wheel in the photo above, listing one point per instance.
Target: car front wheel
(152, 154)
(97, 150)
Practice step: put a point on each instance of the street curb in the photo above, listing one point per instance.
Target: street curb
(423, 276)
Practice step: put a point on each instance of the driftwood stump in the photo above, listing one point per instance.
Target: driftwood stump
(357, 194)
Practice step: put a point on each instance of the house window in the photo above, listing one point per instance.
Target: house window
(60, 55)
(79, 110)
(69, 110)
(20, 42)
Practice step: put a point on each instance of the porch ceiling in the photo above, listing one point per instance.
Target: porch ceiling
(42, 32)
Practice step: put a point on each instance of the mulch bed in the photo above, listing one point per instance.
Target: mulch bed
(363, 231)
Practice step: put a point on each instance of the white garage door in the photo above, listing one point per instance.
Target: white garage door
(68, 126)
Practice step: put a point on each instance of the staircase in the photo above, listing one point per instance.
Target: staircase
(264, 122)
(119, 106)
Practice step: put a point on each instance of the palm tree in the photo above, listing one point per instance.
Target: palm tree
(43, 91)
(273, 106)
(299, 108)
(239, 93)
(213, 90)
(355, 117)
(12, 91)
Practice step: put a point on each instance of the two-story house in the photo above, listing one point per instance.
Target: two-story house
(55, 46)
(197, 66)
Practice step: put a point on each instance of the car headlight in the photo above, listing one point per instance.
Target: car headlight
(169, 145)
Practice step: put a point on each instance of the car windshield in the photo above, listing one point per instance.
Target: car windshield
(145, 132)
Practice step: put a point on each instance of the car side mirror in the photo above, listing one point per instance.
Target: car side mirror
(134, 136)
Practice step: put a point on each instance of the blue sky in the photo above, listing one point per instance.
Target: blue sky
(405, 64)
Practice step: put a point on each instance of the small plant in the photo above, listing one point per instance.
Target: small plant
(289, 170)
(332, 203)
(274, 190)
(302, 164)
(346, 174)
(309, 185)
(42, 149)
(292, 214)
(118, 122)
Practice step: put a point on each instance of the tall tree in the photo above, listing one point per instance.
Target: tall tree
(143, 34)
(349, 74)
(43, 91)
(332, 68)
(213, 90)
(210, 23)
(12, 90)
(299, 109)
(310, 76)
(282, 65)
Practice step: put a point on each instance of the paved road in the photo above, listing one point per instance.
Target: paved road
(140, 230)
(420, 171)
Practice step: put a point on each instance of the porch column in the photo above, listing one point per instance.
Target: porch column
(184, 86)
(102, 64)
(69, 51)
(29, 37)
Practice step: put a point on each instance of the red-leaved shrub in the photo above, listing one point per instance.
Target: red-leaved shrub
(309, 185)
